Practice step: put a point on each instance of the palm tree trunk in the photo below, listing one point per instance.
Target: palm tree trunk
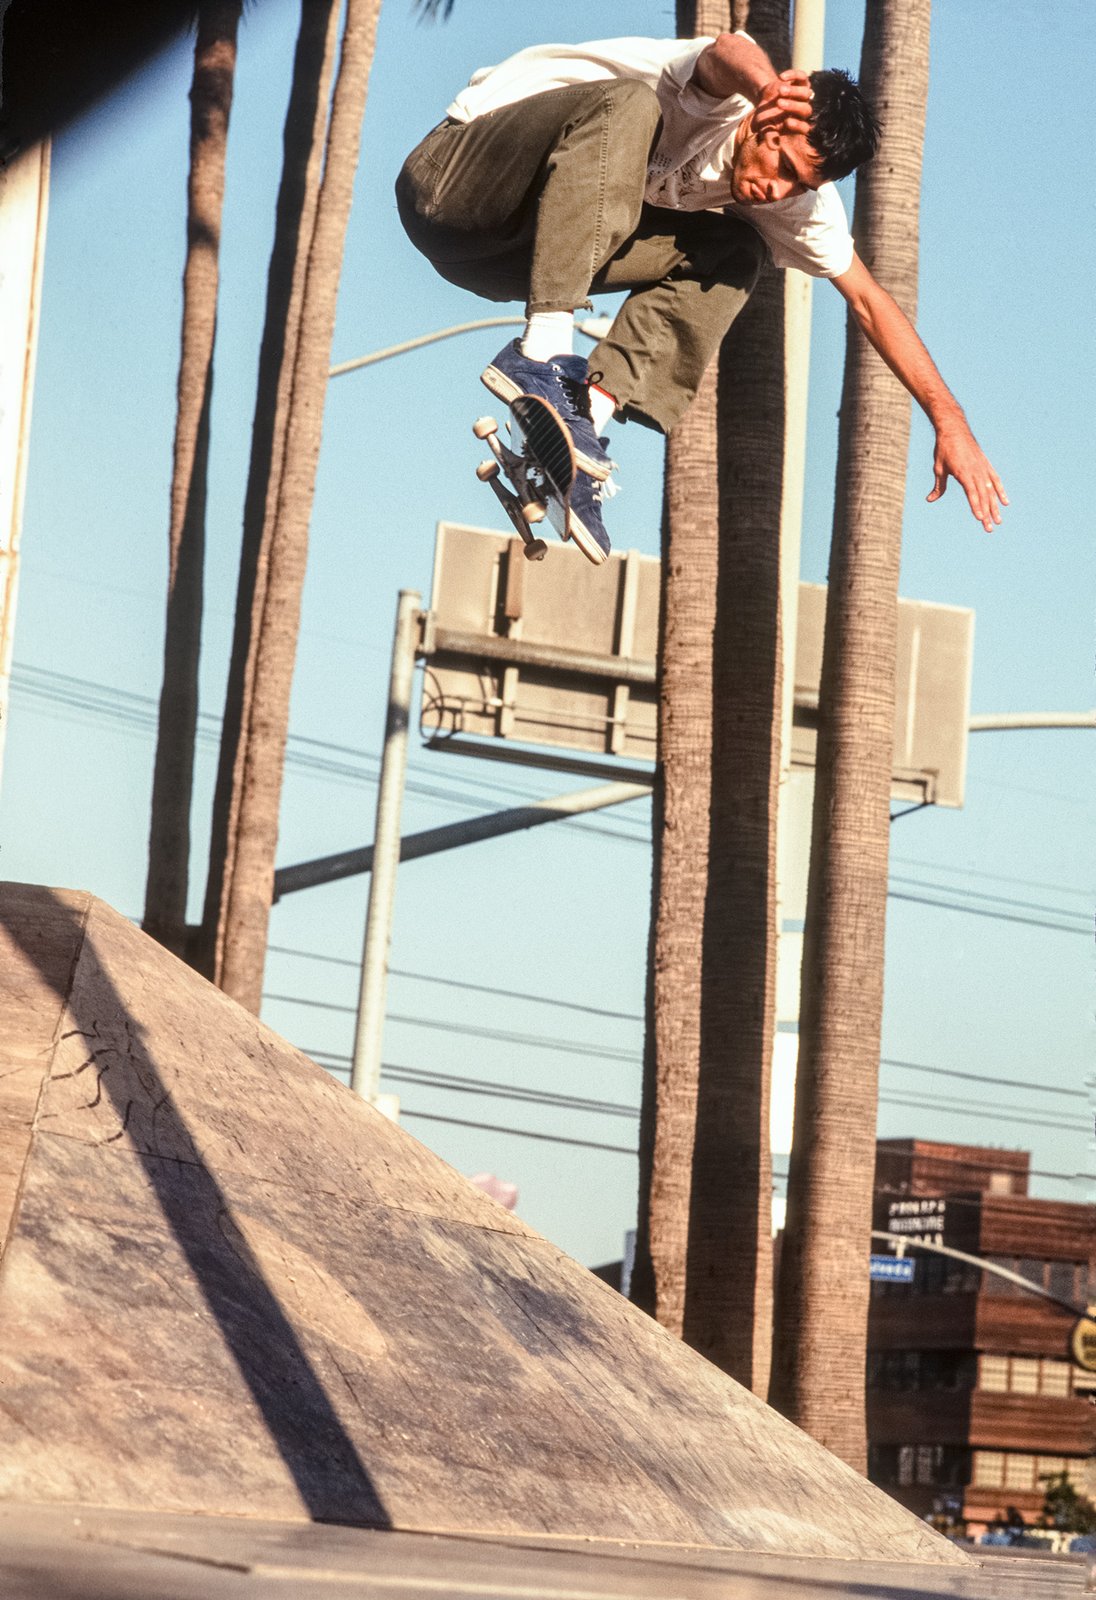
(250, 891)
(819, 1357)
(703, 1261)
(302, 143)
(169, 833)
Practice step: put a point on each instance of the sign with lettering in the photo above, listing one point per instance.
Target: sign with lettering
(919, 1220)
(891, 1269)
(1082, 1342)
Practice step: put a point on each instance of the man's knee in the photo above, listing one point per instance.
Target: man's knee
(639, 97)
(626, 101)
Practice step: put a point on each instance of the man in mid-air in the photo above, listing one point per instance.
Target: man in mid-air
(664, 167)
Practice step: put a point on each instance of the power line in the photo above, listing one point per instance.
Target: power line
(994, 877)
(522, 1133)
(473, 988)
(954, 1108)
(977, 1077)
(998, 899)
(492, 1088)
(140, 713)
(605, 1052)
(995, 916)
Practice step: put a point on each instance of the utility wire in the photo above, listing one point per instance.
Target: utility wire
(522, 1133)
(995, 916)
(140, 712)
(605, 1052)
(999, 899)
(995, 877)
(492, 1088)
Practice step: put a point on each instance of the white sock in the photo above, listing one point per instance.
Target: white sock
(602, 407)
(548, 334)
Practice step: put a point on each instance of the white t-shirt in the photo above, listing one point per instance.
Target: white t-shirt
(690, 169)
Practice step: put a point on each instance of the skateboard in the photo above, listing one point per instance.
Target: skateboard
(541, 469)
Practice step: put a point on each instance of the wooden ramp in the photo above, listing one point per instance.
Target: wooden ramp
(229, 1286)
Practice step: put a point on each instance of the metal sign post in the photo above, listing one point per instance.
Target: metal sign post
(365, 1072)
(24, 189)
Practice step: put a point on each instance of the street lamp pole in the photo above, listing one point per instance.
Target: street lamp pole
(593, 328)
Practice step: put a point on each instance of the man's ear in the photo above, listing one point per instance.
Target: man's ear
(770, 139)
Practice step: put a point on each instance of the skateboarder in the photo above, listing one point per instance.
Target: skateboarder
(664, 167)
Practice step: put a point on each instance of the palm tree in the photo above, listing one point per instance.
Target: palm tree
(169, 835)
(275, 620)
(703, 1262)
(819, 1351)
(302, 144)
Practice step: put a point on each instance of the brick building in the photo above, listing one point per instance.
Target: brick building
(972, 1396)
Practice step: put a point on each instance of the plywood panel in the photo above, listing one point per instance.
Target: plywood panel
(231, 1285)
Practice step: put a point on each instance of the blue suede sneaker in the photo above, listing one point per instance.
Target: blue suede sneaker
(562, 382)
(587, 528)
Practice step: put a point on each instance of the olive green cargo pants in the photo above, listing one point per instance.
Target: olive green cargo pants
(542, 201)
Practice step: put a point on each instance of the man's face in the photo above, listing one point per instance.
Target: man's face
(773, 167)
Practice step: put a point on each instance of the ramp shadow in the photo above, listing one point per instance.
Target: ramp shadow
(304, 1428)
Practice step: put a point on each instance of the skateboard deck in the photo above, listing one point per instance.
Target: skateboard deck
(540, 467)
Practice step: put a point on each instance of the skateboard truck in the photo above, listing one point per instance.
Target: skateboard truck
(523, 508)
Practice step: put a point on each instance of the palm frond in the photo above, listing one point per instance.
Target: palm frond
(431, 10)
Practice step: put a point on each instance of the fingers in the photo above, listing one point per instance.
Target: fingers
(964, 462)
(982, 498)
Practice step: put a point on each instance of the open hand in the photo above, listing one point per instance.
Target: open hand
(785, 104)
(959, 456)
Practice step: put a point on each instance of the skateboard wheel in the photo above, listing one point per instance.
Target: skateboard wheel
(483, 426)
(536, 550)
(487, 470)
(533, 511)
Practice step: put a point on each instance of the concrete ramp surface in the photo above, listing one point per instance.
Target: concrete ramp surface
(229, 1286)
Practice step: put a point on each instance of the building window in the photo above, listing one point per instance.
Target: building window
(989, 1469)
(993, 1373)
(904, 1371)
(999, 1469)
(1025, 1375)
(905, 1465)
(1065, 1279)
(1056, 1377)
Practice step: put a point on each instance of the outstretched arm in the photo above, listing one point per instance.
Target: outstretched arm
(734, 64)
(958, 454)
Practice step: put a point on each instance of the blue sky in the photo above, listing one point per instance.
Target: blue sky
(1005, 306)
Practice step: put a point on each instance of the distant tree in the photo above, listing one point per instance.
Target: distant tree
(295, 216)
(703, 1263)
(169, 832)
(822, 1303)
(1065, 1507)
(274, 623)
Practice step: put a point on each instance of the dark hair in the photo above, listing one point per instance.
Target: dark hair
(844, 128)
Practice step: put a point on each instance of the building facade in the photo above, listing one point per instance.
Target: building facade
(973, 1399)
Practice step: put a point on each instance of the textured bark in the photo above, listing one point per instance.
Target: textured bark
(820, 1348)
(250, 891)
(704, 1265)
(169, 831)
(302, 146)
